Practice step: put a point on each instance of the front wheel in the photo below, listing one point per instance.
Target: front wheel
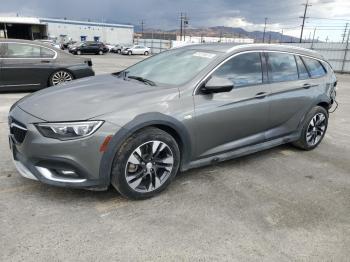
(100, 52)
(314, 129)
(129, 53)
(146, 53)
(78, 52)
(145, 164)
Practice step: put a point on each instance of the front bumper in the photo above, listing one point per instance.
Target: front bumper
(72, 163)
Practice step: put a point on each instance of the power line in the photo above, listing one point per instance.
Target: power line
(303, 17)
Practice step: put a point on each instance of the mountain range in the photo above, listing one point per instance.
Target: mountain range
(225, 31)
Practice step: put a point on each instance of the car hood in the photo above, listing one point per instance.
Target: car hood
(91, 97)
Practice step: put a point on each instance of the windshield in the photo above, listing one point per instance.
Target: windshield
(174, 67)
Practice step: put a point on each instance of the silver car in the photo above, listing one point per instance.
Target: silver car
(178, 110)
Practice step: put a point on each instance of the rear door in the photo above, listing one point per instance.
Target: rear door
(292, 92)
(231, 120)
(26, 66)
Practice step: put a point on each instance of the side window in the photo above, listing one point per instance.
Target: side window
(15, 50)
(315, 67)
(242, 70)
(46, 53)
(281, 67)
(303, 74)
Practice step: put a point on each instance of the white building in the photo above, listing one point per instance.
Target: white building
(211, 39)
(64, 30)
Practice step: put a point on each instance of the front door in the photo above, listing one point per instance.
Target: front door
(230, 120)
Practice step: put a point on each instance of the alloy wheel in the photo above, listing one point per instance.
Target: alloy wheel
(149, 166)
(61, 77)
(316, 129)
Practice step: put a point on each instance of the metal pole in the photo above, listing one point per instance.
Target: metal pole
(142, 23)
(5, 30)
(303, 17)
(346, 52)
(345, 30)
(264, 30)
(181, 19)
(313, 39)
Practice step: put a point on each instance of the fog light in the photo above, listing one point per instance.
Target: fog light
(66, 173)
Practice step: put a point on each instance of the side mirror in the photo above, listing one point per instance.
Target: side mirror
(217, 85)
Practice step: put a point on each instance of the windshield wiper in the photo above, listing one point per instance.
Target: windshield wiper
(143, 80)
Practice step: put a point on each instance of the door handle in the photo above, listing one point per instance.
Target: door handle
(45, 61)
(306, 86)
(261, 95)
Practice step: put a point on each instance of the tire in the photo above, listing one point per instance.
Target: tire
(146, 53)
(314, 129)
(142, 178)
(59, 77)
(129, 53)
(119, 51)
(78, 52)
(100, 52)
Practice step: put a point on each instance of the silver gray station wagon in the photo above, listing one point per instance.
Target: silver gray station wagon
(181, 109)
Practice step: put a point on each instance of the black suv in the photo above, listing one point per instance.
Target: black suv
(89, 48)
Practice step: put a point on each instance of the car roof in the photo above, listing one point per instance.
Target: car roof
(234, 48)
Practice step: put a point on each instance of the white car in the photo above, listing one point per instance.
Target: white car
(136, 50)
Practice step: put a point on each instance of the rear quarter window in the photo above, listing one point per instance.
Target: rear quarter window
(46, 53)
(314, 67)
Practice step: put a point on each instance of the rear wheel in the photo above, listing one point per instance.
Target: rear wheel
(119, 51)
(129, 53)
(100, 52)
(60, 77)
(145, 164)
(146, 53)
(314, 129)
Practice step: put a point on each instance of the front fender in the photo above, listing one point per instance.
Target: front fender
(139, 122)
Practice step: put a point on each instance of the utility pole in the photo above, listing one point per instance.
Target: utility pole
(185, 22)
(303, 17)
(142, 24)
(345, 30)
(264, 30)
(313, 38)
(327, 39)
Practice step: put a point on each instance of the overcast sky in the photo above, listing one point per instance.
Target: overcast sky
(164, 14)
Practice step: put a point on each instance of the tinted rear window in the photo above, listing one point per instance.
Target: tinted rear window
(315, 67)
(282, 67)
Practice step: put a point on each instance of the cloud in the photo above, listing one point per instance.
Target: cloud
(164, 14)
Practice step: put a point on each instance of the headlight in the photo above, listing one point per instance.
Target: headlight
(69, 130)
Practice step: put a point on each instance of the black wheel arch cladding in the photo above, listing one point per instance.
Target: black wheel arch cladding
(142, 121)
